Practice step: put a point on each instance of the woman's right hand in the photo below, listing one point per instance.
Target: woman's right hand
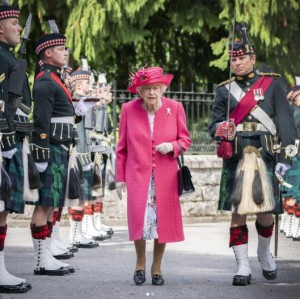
(120, 187)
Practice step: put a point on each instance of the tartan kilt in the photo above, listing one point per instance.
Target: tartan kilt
(14, 168)
(293, 177)
(227, 180)
(87, 185)
(54, 179)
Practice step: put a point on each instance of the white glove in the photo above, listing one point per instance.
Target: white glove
(282, 168)
(41, 166)
(164, 147)
(9, 154)
(120, 187)
(83, 107)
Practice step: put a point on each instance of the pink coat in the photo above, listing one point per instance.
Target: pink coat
(137, 157)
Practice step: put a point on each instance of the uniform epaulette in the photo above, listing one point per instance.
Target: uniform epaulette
(269, 74)
(227, 81)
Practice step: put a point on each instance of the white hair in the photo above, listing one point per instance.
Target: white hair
(163, 88)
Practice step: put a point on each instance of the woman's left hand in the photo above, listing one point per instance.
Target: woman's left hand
(164, 147)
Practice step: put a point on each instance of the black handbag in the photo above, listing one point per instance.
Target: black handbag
(185, 184)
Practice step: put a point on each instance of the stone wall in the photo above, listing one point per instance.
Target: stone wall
(206, 172)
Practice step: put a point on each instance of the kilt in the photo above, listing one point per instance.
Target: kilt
(14, 168)
(54, 179)
(293, 177)
(227, 180)
(87, 185)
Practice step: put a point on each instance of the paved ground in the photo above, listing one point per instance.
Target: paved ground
(200, 267)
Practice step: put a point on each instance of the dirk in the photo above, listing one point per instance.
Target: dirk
(25, 36)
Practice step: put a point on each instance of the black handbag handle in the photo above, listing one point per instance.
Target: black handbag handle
(180, 163)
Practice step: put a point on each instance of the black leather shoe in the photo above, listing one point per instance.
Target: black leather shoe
(73, 248)
(64, 256)
(58, 272)
(270, 275)
(157, 280)
(19, 288)
(101, 237)
(241, 280)
(71, 269)
(88, 245)
(139, 277)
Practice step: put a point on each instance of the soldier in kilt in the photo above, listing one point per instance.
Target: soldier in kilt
(53, 117)
(290, 220)
(97, 126)
(264, 128)
(79, 81)
(13, 125)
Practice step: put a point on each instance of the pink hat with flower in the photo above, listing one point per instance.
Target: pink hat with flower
(147, 76)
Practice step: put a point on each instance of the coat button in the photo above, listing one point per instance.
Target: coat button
(153, 165)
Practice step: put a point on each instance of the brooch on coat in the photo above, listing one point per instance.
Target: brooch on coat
(168, 110)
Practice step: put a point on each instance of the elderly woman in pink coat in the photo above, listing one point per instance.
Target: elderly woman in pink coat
(151, 128)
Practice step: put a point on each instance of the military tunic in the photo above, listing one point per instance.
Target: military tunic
(14, 125)
(277, 108)
(53, 117)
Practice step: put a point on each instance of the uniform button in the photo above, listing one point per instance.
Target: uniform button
(249, 117)
(248, 83)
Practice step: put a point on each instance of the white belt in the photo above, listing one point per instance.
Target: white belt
(63, 120)
(251, 127)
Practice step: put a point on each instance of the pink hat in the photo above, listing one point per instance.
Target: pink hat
(147, 76)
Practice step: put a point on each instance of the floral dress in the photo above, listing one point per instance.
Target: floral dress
(150, 219)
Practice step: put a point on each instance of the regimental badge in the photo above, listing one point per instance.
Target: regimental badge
(2, 77)
(291, 150)
(43, 135)
(258, 94)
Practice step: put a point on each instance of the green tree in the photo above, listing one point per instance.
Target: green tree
(188, 38)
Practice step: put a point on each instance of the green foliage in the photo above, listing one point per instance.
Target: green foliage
(188, 38)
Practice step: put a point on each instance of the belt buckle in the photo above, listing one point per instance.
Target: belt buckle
(249, 126)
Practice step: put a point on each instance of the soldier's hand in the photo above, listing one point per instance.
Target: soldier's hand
(41, 166)
(282, 168)
(8, 154)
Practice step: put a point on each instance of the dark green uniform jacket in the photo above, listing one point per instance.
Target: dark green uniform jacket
(274, 104)
(53, 113)
(13, 119)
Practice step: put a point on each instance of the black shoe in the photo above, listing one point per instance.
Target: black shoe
(64, 256)
(139, 277)
(58, 272)
(241, 280)
(73, 248)
(19, 288)
(101, 237)
(88, 245)
(157, 280)
(270, 275)
(71, 269)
